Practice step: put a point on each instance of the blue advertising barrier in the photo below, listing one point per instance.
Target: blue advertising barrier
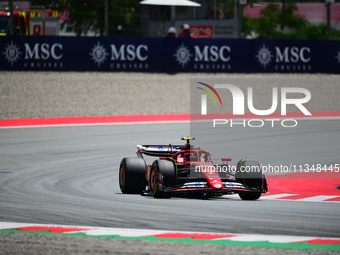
(170, 55)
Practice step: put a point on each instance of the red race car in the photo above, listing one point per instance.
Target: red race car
(186, 169)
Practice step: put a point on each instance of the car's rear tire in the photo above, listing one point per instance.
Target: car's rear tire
(249, 172)
(132, 175)
(162, 174)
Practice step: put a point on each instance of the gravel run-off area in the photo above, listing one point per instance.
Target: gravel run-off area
(67, 94)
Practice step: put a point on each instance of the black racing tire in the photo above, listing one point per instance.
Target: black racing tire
(165, 170)
(132, 175)
(249, 172)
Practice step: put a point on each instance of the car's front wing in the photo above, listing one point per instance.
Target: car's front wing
(228, 187)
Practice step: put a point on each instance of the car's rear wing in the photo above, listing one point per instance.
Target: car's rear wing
(158, 150)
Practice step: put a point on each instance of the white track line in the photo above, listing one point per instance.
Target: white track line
(144, 123)
(286, 197)
(276, 196)
(318, 198)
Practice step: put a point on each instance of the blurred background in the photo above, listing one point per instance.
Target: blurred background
(280, 19)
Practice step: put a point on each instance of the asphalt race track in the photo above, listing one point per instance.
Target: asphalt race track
(69, 175)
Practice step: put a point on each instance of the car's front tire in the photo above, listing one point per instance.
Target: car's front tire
(249, 172)
(162, 174)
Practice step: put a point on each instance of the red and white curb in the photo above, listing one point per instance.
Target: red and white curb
(301, 197)
(140, 119)
(95, 120)
(162, 234)
(322, 186)
(293, 197)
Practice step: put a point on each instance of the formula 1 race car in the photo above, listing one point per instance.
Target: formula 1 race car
(186, 169)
